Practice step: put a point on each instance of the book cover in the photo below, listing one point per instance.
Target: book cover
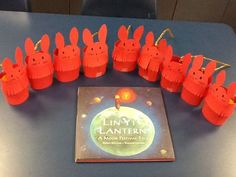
(122, 124)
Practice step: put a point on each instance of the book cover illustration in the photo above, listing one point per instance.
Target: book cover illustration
(122, 124)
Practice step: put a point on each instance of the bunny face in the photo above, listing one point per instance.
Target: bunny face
(69, 51)
(14, 80)
(95, 53)
(97, 49)
(198, 75)
(149, 48)
(175, 67)
(151, 51)
(14, 71)
(40, 58)
(222, 94)
(129, 45)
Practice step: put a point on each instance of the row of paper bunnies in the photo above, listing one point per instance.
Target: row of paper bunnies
(153, 61)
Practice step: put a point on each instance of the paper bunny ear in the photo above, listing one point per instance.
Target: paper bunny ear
(210, 68)
(162, 46)
(74, 36)
(220, 78)
(60, 43)
(123, 33)
(87, 37)
(138, 33)
(186, 61)
(231, 90)
(149, 38)
(197, 62)
(19, 56)
(102, 33)
(45, 43)
(168, 54)
(29, 46)
(7, 65)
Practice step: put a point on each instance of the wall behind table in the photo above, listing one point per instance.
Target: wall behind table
(193, 10)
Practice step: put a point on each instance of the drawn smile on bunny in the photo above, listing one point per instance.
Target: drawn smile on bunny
(69, 52)
(129, 46)
(98, 48)
(38, 59)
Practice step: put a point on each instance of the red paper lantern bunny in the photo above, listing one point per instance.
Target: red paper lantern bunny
(174, 71)
(197, 81)
(39, 64)
(14, 81)
(95, 53)
(219, 104)
(151, 58)
(126, 51)
(67, 58)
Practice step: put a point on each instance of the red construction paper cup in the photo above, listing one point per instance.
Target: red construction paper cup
(151, 76)
(93, 72)
(170, 86)
(41, 83)
(67, 76)
(213, 117)
(124, 66)
(190, 98)
(66, 71)
(18, 98)
(15, 91)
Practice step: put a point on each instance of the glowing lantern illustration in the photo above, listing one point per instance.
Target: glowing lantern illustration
(126, 95)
